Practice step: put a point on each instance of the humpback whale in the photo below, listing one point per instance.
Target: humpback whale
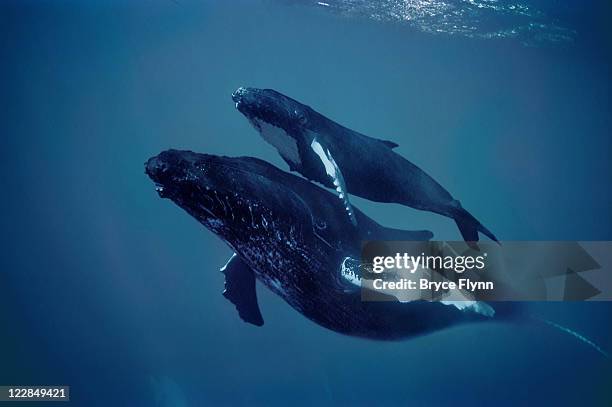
(337, 157)
(292, 236)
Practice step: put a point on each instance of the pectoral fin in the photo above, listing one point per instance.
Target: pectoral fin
(240, 290)
(333, 172)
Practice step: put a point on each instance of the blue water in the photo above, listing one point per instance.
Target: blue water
(115, 292)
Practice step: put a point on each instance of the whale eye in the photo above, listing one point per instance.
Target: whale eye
(300, 117)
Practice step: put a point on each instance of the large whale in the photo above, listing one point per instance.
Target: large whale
(337, 157)
(294, 237)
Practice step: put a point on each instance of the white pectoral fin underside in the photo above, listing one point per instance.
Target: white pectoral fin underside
(284, 143)
(333, 172)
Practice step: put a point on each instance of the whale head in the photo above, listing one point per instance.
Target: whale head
(271, 107)
(284, 227)
(233, 197)
(280, 120)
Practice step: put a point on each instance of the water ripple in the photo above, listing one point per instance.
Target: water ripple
(468, 18)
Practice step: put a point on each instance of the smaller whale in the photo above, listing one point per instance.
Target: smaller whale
(337, 157)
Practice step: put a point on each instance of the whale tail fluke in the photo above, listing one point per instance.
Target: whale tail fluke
(469, 226)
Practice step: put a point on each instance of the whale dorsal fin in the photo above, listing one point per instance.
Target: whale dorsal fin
(240, 290)
(388, 143)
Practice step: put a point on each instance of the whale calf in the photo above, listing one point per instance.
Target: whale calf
(337, 157)
(293, 236)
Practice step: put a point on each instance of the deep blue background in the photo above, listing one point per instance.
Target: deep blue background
(107, 288)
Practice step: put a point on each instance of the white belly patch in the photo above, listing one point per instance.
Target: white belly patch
(284, 143)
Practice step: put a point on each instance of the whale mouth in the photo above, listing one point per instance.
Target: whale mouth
(254, 104)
